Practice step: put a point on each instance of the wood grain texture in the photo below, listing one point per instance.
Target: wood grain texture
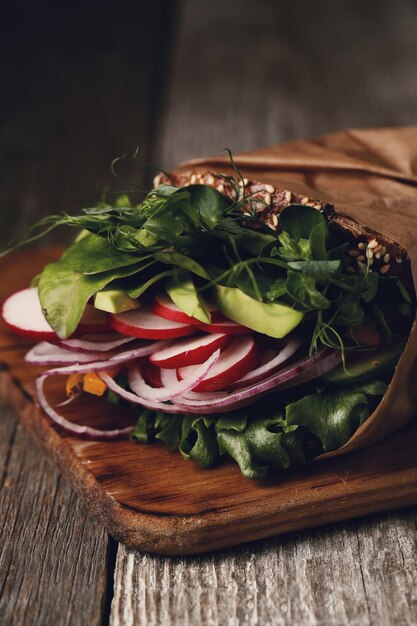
(51, 550)
(359, 574)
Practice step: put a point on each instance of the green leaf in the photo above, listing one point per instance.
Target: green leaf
(182, 291)
(139, 288)
(302, 289)
(198, 441)
(317, 241)
(350, 312)
(299, 220)
(319, 270)
(168, 427)
(64, 293)
(332, 417)
(93, 255)
(238, 447)
(208, 203)
(183, 261)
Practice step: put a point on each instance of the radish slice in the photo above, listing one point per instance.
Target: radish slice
(45, 353)
(139, 386)
(144, 324)
(22, 312)
(302, 371)
(134, 399)
(239, 358)
(152, 374)
(190, 351)
(108, 363)
(168, 377)
(163, 306)
(86, 432)
(96, 343)
(228, 328)
(271, 365)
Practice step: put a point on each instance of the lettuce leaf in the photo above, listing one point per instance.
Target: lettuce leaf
(265, 437)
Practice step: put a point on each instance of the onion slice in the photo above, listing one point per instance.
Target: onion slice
(271, 366)
(85, 432)
(108, 363)
(302, 371)
(177, 388)
(134, 399)
(45, 353)
(96, 342)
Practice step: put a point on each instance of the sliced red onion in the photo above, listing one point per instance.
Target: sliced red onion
(86, 432)
(295, 374)
(134, 399)
(109, 363)
(169, 377)
(45, 353)
(97, 342)
(177, 388)
(271, 366)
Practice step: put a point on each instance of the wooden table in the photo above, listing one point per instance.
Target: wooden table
(183, 80)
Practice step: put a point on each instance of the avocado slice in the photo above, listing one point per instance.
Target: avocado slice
(182, 291)
(365, 366)
(272, 319)
(114, 301)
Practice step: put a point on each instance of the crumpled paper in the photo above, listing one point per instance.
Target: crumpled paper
(371, 176)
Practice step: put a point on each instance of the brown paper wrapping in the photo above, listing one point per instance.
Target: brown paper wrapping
(370, 175)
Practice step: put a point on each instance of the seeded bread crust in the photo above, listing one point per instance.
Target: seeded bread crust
(384, 255)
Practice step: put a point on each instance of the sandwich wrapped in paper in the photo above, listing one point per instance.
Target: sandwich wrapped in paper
(260, 306)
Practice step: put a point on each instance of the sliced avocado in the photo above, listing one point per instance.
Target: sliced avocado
(363, 367)
(182, 291)
(114, 301)
(272, 319)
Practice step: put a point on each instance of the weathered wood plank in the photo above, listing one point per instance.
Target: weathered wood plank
(259, 76)
(53, 555)
(246, 76)
(359, 573)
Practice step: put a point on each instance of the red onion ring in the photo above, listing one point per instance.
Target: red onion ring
(134, 399)
(177, 388)
(85, 432)
(96, 343)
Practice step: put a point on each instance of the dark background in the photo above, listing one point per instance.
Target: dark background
(84, 82)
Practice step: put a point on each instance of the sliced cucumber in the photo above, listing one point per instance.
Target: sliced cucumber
(365, 366)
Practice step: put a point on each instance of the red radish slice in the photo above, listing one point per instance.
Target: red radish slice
(45, 353)
(93, 321)
(228, 328)
(163, 306)
(271, 365)
(144, 324)
(107, 364)
(190, 351)
(239, 358)
(301, 371)
(139, 386)
(22, 312)
(85, 432)
(96, 343)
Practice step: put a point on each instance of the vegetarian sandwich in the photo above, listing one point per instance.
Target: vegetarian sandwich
(239, 318)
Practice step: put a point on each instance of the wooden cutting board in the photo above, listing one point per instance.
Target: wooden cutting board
(153, 500)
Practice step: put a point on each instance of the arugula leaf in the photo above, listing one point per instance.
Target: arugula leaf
(64, 293)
